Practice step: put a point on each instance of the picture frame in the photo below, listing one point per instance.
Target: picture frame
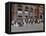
(11, 12)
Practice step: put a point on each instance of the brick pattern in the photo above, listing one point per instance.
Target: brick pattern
(36, 10)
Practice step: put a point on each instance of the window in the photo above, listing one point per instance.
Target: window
(19, 5)
(26, 8)
(19, 9)
(19, 16)
(31, 9)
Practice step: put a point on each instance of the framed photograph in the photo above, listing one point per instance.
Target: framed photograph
(23, 17)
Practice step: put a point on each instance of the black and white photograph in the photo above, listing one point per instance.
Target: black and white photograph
(26, 17)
